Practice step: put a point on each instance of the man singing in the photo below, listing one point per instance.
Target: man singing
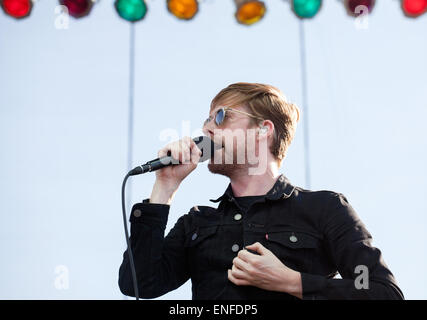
(267, 239)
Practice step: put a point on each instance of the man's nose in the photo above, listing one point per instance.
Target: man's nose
(208, 129)
(208, 133)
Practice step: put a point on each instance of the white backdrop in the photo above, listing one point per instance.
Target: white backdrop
(63, 128)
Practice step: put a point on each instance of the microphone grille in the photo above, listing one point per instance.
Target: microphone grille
(207, 146)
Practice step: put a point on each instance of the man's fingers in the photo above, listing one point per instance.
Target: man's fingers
(258, 247)
(163, 152)
(240, 264)
(184, 151)
(238, 273)
(246, 256)
(192, 153)
(175, 153)
(178, 150)
(195, 154)
(236, 281)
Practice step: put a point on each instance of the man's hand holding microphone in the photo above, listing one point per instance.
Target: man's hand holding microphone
(169, 178)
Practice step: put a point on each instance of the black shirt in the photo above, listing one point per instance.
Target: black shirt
(245, 202)
(316, 233)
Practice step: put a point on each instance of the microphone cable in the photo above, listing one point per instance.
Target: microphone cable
(129, 249)
(156, 164)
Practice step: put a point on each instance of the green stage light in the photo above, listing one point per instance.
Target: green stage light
(306, 8)
(131, 10)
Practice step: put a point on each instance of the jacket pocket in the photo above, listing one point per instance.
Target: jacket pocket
(199, 235)
(201, 244)
(295, 249)
(293, 240)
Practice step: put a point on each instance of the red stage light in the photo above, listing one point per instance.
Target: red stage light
(414, 8)
(77, 8)
(354, 6)
(17, 8)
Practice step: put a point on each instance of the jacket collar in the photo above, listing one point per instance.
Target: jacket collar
(282, 189)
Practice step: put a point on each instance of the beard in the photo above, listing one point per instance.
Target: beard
(228, 170)
(239, 157)
(219, 164)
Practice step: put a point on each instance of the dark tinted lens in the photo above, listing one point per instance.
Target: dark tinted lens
(219, 118)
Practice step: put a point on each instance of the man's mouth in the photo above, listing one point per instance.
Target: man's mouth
(219, 144)
(219, 147)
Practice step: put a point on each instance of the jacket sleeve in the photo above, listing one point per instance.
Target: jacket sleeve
(160, 262)
(361, 266)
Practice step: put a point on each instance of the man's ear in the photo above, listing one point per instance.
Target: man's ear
(266, 128)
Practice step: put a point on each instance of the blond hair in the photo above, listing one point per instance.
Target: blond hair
(268, 103)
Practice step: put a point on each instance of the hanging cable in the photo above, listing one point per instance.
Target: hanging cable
(303, 61)
(129, 248)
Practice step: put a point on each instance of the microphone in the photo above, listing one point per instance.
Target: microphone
(205, 144)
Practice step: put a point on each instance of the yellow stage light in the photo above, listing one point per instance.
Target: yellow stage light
(249, 11)
(183, 9)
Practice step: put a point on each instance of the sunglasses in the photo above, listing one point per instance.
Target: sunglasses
(221, 114)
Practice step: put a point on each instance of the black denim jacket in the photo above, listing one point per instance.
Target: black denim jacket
(314, 232)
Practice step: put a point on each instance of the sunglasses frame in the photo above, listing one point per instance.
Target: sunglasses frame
(224, 111)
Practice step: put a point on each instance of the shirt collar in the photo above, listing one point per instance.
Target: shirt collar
(282, 189)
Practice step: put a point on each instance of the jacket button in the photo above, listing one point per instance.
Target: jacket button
(194, 236)
(235, 247)
(292, 238)
(137, 213)
(237, 216)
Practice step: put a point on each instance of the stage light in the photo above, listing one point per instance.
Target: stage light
(77, 8)
(306, 8)
(17, 9)
(356, 7)
(183, 9)
(131, 10)
(414, 8)
(249, 11)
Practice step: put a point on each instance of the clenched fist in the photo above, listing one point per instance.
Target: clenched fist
(264, 271)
